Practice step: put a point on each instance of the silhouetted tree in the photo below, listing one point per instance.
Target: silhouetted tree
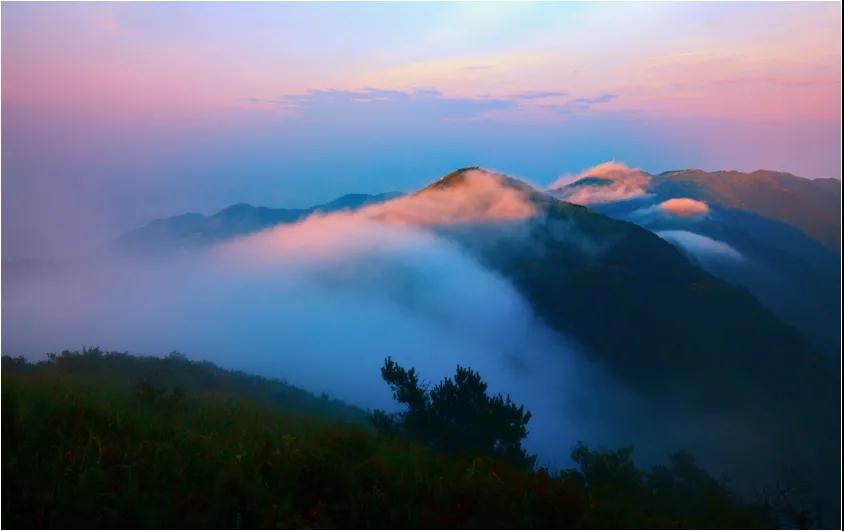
(456, 416)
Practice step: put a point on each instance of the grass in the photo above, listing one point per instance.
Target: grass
(83, 450)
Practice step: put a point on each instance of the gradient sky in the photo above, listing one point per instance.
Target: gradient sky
(113, 114)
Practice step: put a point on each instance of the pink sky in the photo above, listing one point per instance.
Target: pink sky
(119, 112)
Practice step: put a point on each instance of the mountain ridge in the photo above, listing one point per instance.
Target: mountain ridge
(756, 230)
(811, 205)
(234, 220)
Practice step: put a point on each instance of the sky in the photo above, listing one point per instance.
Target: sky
(115, 114)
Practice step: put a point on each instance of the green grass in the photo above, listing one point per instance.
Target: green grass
(84, 450)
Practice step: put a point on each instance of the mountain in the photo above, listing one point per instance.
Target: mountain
(724, 376)
(715, 360)
(813, 206)
(751, 230)
(642, 306)
(191, 230)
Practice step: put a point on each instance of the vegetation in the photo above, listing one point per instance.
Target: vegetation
(456, 416)
(176, 372)
(84, 446)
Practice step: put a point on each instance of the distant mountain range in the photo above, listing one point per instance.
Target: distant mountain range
(770, 232)
(811, 205)
(190, 230)
(641, 307)
(773, 233)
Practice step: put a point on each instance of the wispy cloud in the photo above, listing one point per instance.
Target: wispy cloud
(700, 247)
(581, 104)
(775, 81)
(423, 103)
(537, 95)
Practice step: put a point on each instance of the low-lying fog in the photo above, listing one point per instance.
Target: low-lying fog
(320, 304)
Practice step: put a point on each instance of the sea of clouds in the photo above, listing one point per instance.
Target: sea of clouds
(322, 302)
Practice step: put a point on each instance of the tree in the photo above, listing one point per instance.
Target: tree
(457, 416)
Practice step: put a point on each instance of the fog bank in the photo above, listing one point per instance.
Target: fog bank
(320, 304)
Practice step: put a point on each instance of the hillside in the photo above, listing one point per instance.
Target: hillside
(772, 233)
(81, 449)
(813, 206)
(588, 274)
(121, 370)
(791, 274)
(696, 346)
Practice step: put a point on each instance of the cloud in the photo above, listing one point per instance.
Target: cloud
(580, 104)
(371, 103)
(679, 207)
(321, 303)
(700, 247)
(603, 98)
(782, 82)
(684, 206)
(604, 183)
(479, 195)
(537, 95)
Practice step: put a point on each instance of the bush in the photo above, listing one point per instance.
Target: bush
(456, 417)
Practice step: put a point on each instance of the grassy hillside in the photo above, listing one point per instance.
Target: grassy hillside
(85, 446)
(121, 371)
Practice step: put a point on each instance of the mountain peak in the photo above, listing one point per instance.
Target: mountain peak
(455, 178)
(475, 177)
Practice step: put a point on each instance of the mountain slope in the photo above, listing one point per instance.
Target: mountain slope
(753, 230)
(94, 366)
(588, 274)
(813, 206)
(712, 358)
(792, 274)
(85, 446)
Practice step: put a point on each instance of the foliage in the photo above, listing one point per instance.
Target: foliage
(82, 451)
(680, 492)
(456, 416)
(176, 371)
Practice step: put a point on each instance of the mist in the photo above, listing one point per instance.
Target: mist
(320, 304)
